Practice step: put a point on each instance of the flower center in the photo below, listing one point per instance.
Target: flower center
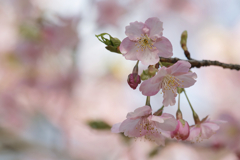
(147, 129)
(144, 42)
(171, 83)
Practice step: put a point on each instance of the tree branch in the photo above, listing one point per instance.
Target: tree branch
(187, 54)
(203, 63)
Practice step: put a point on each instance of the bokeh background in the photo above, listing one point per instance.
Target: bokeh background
(61, 90)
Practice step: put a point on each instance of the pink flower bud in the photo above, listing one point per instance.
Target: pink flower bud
(133, 80)
(182, 130)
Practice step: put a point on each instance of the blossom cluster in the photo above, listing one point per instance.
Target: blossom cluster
(142, 123)
(39, 67)
(145, 42)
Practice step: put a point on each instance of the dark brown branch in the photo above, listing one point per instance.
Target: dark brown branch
(203, 63)
(187, 54)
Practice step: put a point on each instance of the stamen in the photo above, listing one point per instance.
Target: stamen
(147, 129)
(171, 83)
(144, 42)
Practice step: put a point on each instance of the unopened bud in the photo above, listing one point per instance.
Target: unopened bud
(183, 41)
(145, 75)
(112, 43)
(182, 130)
(133, 80)
(152, 70)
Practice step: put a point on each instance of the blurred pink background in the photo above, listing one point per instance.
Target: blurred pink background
(57, 81)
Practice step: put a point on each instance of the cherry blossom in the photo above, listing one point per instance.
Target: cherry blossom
(182, 130)
(229, 133)
(203, 130)
(109, 12)
(141, 123)
(144, 42)
(168, 79)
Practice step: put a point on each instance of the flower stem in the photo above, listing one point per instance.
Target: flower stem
(160, 63)
(195, 116)
(148, 101)
(179, 112)
(135, 68)
(178, 101)
(137, 63)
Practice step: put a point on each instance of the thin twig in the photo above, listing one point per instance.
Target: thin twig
(188, 55)
(203, 63)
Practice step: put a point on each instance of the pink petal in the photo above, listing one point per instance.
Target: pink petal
(160, 75)
(128, 49)
(219, 122)
(166, 134)
(211, 125)
(155, 27)
(134, 30)
(173, 133)
(164, 47)
(184, 131)
(170, 123)
(145, 30)
(148, 57)
(206, 132)
(169, 98)
(181, 67)
(115, 128)
(194, 133)
(158, 138)
(131, 128)
(140, 112)
(149, 89)
(187, 80)
(167, 116)
(157, 119)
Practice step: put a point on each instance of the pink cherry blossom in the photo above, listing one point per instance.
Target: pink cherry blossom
(203, 130)
(182, 130)
(109, 12)
(141, 123)
(144, 42)
(168, 79)
(229, 133)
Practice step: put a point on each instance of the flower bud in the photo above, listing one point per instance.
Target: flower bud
(152, 70)
(133, 80)
(112, 43)
(145, 75)
(182, 130)
(183, 41)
